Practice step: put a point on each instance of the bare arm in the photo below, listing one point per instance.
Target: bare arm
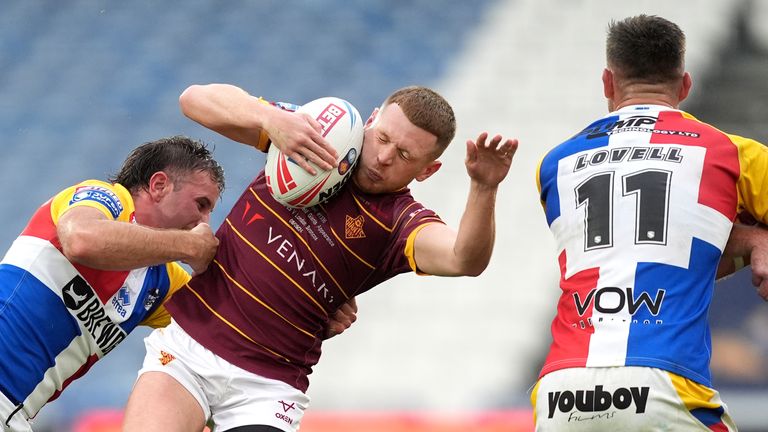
(751, 241)
(441, 250)
(89, 238)
(234, 113)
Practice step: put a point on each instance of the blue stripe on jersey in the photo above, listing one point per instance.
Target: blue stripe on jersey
(683, 311)
(593, 136)
(156, 285)
(26, 303)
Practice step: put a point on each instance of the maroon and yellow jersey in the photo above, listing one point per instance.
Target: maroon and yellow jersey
(280, 274)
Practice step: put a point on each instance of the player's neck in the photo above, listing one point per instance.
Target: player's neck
(642, 100)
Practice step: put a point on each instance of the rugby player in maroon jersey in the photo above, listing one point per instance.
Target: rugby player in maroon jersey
(247, 332)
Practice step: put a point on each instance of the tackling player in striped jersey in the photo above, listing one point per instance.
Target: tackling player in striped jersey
(93, 263)
(247, 331)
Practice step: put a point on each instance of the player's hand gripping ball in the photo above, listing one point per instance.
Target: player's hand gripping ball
(342, 126)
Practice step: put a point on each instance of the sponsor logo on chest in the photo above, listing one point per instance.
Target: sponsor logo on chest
(86, 307)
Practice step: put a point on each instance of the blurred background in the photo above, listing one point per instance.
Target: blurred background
(82, 82)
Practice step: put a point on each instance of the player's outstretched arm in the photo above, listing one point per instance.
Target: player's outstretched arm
(87, 237)
(441, 250)
(232, 112)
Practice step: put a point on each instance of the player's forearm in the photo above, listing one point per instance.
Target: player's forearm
(108, 245)
(226, 109)
(477, 230)
(743, 239)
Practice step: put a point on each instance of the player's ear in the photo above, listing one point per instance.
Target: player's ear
(608, 89)
(160, 185)
(373, 117)
(685, 87)
(429, 170)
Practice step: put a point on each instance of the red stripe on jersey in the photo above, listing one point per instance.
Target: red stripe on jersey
(571, 332)
(80, 372)
(104, 283)
(41, 225)
(721, 162)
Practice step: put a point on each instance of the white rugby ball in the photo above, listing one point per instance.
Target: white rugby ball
(342, 126)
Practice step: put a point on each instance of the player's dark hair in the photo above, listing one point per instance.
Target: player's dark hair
(646, 48)
(177, 156)
(428, 110)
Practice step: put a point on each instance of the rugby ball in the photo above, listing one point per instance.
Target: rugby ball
(342, 127)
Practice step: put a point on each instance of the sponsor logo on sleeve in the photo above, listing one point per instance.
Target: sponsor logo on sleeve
(101, 195)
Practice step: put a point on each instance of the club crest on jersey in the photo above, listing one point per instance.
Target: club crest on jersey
(101, 195)
(166, 358)
(353, 227)
(152, 296)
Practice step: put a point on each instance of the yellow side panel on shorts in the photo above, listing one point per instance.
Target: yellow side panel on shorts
(693, 395)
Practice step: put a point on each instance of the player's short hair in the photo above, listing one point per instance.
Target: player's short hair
(646, 48)
(177, 156)
(426, 109)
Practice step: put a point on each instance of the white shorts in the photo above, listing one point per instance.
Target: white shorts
(625, 399)
(11, 417)
(227, 394)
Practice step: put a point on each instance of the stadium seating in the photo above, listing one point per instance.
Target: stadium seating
(83, 82)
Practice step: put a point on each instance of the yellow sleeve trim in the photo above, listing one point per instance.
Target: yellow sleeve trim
(264, 141)
(178, 277)
(409, 248)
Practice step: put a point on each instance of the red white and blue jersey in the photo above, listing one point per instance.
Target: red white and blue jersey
(57, 318)
(641, 204)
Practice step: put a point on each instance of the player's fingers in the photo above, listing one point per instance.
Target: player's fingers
(471, 151)
(480, 142)
(320, 145)
(509, 148)
(314, 123)
(334, 329)
(347, 309)
(315, 157)
(301, 161)
(494, 144)
(353, 303)
(762, 290)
